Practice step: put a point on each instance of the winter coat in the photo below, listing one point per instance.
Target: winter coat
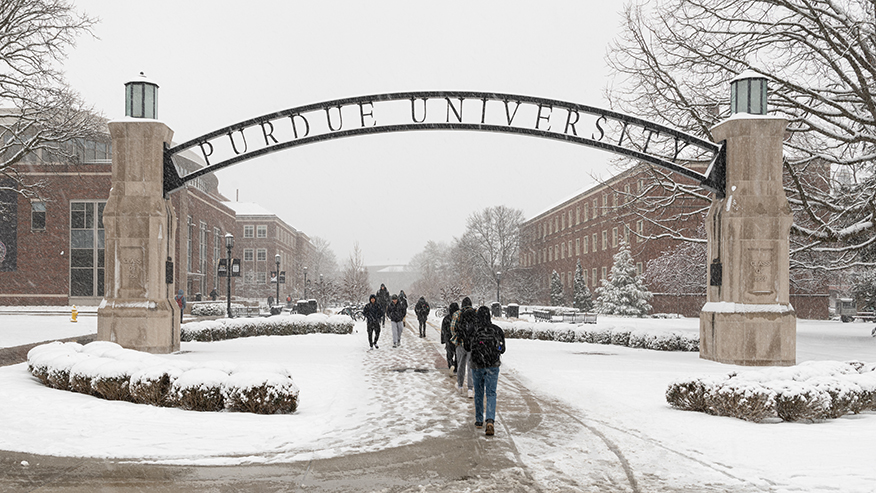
(396, 311)
(485, 333)
(445, 327)
(422, 309)
(461, 324)
(181, 299)
(373, 313)
(403, 299)
(383, 297)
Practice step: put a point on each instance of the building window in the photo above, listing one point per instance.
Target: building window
(595, 279)
(570, 218)
(562, 250)
(570, 248)
(614, 200)
(189, 240)
(556, 224)
(563, 220)
(638, 268)
(641, 185)
(261, 231)
(604, 272)
(595, 208)
(563, 278)
(248, 231)
(216, 242)
(639, 230)
(261, 254)
(37, 216)
(247, 254)
(604, 203)
(261, 277)
(86, 248)
(595, 245)
(627, 197)
(585, 212)
(577, 215)
(577, 247)
(614, 237)
(585, 245)
(604, 240)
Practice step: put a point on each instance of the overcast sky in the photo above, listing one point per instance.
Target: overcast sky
(222, 62)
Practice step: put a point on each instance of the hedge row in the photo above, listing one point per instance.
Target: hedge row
(620, 336)
(211, 309)
(811, 391)
(278, 325)
(106, 370)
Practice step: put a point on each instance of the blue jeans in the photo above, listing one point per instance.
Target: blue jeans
(485, 381)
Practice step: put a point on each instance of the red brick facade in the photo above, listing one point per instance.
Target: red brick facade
(589, 228)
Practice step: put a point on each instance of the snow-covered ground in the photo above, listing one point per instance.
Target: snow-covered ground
(355, 400)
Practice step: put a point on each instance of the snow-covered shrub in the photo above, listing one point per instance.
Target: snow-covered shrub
(799, 402)
(39, 358)
(152, 385)
(602, 336)
(208, 309)
(59, 370)
(84, 371)
(844, 395)
(112, 380)
(199, 390)
(620, 336)
(567, 335)
(689, 342)
(692, 395)
(260, 392)
(221, 329)
(743, 399)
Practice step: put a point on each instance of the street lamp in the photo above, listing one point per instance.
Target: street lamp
(748, 93)
(305, 282)
(277, 259)
(229, 244)
(498, 281)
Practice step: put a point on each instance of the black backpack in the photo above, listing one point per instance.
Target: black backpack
(487, 343)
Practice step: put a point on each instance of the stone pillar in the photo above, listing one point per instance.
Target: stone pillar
(748, 318)
(138, 311)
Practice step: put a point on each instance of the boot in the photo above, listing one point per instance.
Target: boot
(489, 429)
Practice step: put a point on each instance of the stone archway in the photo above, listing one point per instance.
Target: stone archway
(747, 320)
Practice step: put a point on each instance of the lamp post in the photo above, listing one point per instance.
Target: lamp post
(229, 244)
(277, 259)
(305, 282)
(498, 281)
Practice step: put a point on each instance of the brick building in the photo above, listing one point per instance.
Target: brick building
(52, 248)
(590, 226)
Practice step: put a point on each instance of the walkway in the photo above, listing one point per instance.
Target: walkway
(540, 445)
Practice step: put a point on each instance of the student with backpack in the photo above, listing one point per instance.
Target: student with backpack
(486, 344)
(461, 325)
(449, 347)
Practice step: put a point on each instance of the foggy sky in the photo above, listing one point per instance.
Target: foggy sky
(218, 63)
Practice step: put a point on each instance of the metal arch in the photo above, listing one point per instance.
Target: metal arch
(713, 179)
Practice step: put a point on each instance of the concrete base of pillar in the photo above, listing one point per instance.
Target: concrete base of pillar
(750, 335)
(150, 326)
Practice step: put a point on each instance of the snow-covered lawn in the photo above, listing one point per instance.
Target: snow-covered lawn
(620, 390)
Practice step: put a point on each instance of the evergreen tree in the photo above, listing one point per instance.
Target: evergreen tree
(583, 299)
(557, 298)
(623, 293)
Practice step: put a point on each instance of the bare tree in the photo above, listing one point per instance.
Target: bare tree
(355, 285)
(674, 61)
(322, 260)
(42, 117)
(490, 245)
(435, 273)
(679, 270)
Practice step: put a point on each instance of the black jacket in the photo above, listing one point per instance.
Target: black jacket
(396, 311)
(373, 313)
(422, 309)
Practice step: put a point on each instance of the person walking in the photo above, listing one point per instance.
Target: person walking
(461, 325)
(373, 313)
(383, 301)
(181, 302)
(403, 299)
(396, 313)
(422, 309)
(486, 344)
(214, 294)
(449, 347)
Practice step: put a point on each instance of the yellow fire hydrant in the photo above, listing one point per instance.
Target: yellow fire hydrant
(74, 314)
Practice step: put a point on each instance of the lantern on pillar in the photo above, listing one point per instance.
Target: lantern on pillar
(748, 93)
(141, 98)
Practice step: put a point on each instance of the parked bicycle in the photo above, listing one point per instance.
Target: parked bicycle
(354, 312)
